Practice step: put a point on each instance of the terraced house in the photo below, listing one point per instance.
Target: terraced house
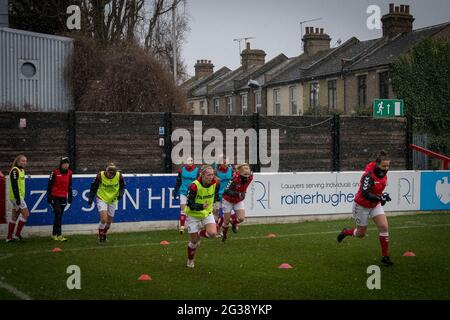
(345, 79)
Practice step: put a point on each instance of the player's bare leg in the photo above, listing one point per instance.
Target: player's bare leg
(226, 221)
(24, 215)
(237, 218)
(12, 224)
(194, 240)
(182, 219)
(102, 226)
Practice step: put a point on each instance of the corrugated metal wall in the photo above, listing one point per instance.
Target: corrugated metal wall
(47, 89)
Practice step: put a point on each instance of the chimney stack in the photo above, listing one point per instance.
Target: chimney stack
(398, 20)
(4, 16)
(250, 57)
(203, 68)
(315, 40)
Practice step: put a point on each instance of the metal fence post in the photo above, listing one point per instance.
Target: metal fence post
(72, 140)
(409, 141)
(336, 146)
(168, 142)
(255, 125)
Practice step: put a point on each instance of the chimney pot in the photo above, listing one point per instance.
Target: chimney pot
(321, 30)
(248, 45)
(317, 30)
(399, 20)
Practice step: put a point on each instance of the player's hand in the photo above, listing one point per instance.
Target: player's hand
(385, 196)
(205, 205)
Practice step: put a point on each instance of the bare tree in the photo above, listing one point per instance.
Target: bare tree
(146, 22)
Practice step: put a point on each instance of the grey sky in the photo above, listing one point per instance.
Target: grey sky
(275, 25)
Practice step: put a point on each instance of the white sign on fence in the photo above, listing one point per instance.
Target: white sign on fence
(324, 193)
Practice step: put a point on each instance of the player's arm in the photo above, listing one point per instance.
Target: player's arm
(94, 188)
(229, 189)
(14, 176)
(367, 184)
(121, 187)
(69, 191)
(51, 180)
(192, 194)
(216, 193)
(177, 183)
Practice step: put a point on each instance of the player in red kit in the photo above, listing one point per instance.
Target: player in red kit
(233, 198)
(369, 202)
(59, 194)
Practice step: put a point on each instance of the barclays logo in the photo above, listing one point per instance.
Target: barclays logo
(442, 189)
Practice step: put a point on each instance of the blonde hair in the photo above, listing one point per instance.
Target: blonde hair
(242, 166)
(14, 164)
(206, 167)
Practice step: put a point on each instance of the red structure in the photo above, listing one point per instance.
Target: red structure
(2, 198)
(444, 159)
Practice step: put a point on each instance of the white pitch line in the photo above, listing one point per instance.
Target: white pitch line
(19, 294)
(145, 244)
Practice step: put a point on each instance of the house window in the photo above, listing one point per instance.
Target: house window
(313, 95)
(293, 100)
(332, 96)
(202, 107)
(229, 105)
(216, 106)
(258, 101)
(362, 91)
(244, 104)
(276, 102)
(384, 85)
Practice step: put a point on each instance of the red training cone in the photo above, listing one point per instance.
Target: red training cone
(56, 250)
(164, 242)
(285, 266)
(409, 254)
(145, 277)
(271, 235)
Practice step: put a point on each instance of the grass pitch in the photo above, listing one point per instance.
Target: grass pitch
(245, 267)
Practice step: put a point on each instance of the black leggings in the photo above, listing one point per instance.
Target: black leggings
(58, 206)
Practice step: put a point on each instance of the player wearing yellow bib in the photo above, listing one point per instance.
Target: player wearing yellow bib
(202, 194)
(17, 198)
(109, 186)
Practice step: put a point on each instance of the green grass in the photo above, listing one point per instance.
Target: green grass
(246, 267)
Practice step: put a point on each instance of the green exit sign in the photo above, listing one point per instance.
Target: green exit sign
(383, 108)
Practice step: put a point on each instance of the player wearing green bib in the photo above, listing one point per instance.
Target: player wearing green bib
(17, 198)
(202, 195)
(109, 186)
